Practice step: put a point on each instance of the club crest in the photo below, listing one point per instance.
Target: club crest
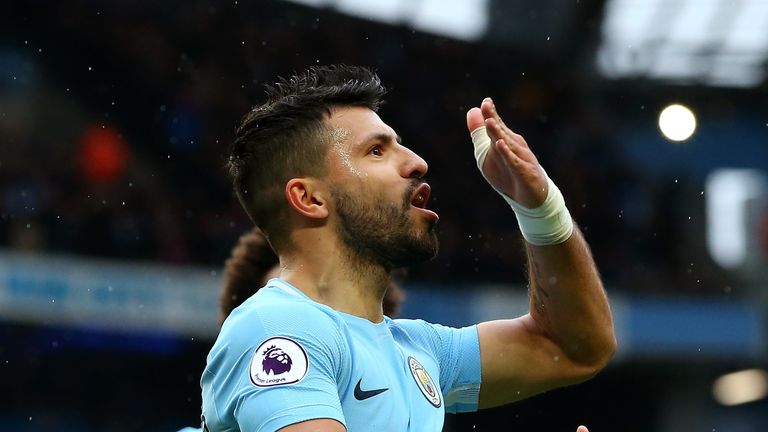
(425, 383)
(278, 361)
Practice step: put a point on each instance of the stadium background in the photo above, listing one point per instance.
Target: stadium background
(116, 213)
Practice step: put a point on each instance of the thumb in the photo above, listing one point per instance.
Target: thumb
(475, 119)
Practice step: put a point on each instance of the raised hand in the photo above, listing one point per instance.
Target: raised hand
(510, 166)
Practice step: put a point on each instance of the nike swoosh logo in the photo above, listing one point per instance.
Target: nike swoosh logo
(361, 394)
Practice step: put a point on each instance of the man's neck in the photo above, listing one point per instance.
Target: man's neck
(332, 275)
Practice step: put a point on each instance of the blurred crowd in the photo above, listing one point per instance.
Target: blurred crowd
(115, 122)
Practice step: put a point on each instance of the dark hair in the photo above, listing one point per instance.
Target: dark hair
(244, 271)
(287, 137)
(252, 258)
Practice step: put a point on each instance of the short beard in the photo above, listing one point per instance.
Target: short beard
(384, 234)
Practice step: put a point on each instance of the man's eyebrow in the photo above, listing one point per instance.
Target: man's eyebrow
(382, 136)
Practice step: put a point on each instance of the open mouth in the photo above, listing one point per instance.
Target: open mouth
(420, 196)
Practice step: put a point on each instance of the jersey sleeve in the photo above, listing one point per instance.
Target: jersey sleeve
(457, 351)
(274, 367)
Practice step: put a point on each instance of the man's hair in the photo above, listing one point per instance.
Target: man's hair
(250, 262)
(287, 137)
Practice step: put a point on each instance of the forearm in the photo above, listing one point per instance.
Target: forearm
(568, 302)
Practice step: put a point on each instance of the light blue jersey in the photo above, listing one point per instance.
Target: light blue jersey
(282, 358)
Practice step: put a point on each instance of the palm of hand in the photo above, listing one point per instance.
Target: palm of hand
(510, 165)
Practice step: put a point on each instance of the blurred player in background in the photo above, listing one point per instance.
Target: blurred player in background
(343, 204)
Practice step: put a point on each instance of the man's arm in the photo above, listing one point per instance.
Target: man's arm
(316, 425)
(568, 335)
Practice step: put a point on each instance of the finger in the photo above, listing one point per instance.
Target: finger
(498, 131)
(488, 109)
(511, 160)
(474, 119)
(582, 429)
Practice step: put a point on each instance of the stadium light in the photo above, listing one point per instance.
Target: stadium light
(741, 387)
(459, 19)
(714, 42)
(677, 122)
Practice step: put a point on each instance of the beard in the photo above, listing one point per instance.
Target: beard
(383, 233)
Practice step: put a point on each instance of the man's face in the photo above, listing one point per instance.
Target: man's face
(377, 192)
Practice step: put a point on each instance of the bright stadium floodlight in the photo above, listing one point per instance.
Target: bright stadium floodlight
(741, 387)
(677, 122)
(459, 19)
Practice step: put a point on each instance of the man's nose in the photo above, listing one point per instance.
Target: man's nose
(414, 166)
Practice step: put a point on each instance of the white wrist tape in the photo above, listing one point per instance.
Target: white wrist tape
(548, 224)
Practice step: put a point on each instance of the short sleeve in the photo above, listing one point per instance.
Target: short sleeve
(457, 351)
(276, 367)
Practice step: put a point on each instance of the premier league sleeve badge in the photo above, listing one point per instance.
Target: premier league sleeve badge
(278, 361)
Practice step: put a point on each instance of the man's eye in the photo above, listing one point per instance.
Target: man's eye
(376, 151)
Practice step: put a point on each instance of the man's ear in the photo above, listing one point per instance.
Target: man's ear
(307, 197)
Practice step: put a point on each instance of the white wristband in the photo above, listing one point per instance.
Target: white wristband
(548, 224)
